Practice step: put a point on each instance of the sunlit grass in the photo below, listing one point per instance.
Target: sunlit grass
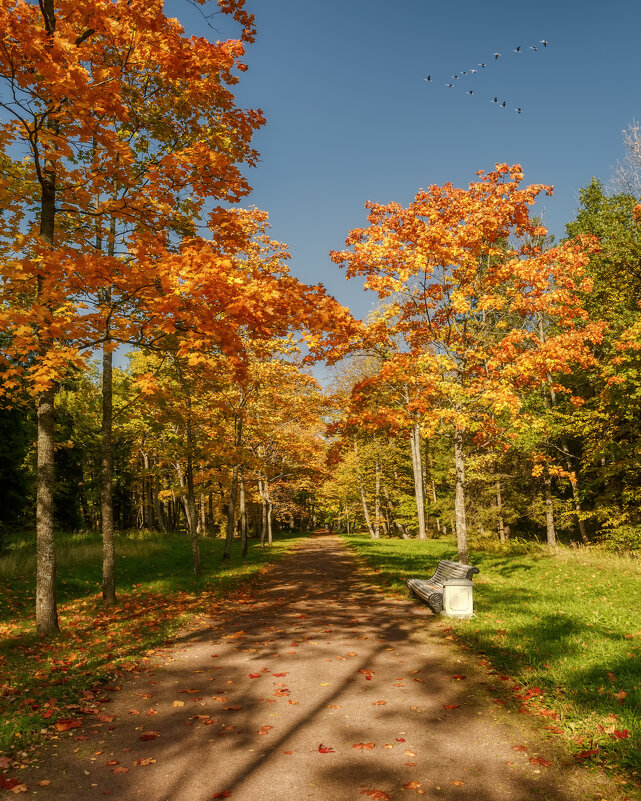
(565, 626)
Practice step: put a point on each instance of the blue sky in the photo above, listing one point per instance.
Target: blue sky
(350, 117)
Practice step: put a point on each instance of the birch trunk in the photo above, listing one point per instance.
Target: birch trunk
(459, 503)
(417, 469)
(499, 512)
(549, 510)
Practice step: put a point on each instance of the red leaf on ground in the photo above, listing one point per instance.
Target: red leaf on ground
(9, 784)
(540, 761)
(458, 677)
(112, 762)
(519, 748)
(232, 708)
(265, 729)
(366, 672)
(280, 674)
(324, 749)
(451, 706)
(586, 754)
(620, 696)
(555, 729)
(364, 746)
(549, 713)
(619, 735)
(379, 703)
(377, 795)
(400, 739)
(254, 675)
(120, 769)
(4, 762)
(149, 735)
(224, 794)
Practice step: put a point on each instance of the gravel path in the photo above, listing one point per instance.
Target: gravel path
(317, 686)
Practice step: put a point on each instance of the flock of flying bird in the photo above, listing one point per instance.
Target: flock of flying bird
(470, 72)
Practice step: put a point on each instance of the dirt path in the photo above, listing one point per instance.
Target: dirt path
(268, 702)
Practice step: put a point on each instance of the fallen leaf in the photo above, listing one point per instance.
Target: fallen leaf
(457, 782)
(112, 762)
(413, 785)
(540, 761)
(324, 749)
(149, 735)
(366, 672)
(619, 735)
(519, 748)
(11, 784)
(458, 677)
(379, 703)
(288, 752)
(223, 794)
(280, 674)
(146, 761)
(377, 795)
(586, 754)
(64, 724)
(411, 764)
(364, 746)
(44, 782)
(232, 708)
(400, 739)
(265, 729)
(409, 752)
(120, 769)
(4, 762)
(333, 706)
(254, 675)
(175, 703)
(451, 706)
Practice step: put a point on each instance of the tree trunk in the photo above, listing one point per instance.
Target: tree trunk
(231, 514)
(106, 484)
(373, 534)
(499, 511)
(191, 500)
(459, 503)
(243, 515)
(417, 469)
(377, 497)
(549, 510)
(46, 602)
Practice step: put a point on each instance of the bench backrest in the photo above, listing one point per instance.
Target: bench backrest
(453, 570)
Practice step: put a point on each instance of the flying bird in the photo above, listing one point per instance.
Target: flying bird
(429, 78)
(503, 104)
(544, 43)
(482, 66)
(518, 110)
(496, 55)
(496, 100)
(533, 47)
(473, 71)
(470, 92)
(450, 84)
(517, 49)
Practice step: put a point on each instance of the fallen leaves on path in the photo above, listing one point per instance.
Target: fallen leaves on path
(149, 735)
(265, 729)
(451, 706)
(364, 746)
(377, 795)
(540, 761)
(324, 749)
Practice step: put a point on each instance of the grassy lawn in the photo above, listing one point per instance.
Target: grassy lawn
(563, 632)
(42, 680)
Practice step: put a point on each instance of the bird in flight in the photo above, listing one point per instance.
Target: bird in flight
(533, 47)
(518, 110)
(482, 66)
(470, 92)
(496, 55)
(517, 49)
(429, 78)
(544, 43)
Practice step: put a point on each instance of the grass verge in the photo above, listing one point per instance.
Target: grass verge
(562, 630)
(41, 681)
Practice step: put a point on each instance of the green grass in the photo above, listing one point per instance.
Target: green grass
(40, 680)
(563, 630)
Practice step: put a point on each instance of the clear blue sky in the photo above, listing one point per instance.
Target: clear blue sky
(350, 117)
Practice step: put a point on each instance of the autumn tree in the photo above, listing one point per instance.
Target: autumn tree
(464, 284)
(88, 92)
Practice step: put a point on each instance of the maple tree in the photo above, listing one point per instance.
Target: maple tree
(105, 100)
(464, 280)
